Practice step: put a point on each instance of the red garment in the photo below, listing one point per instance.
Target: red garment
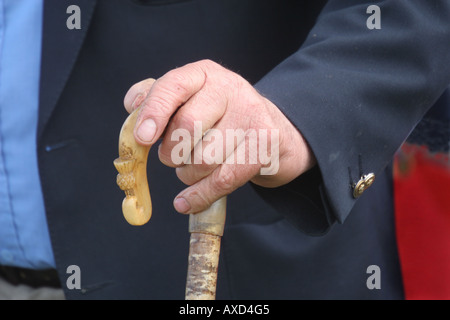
(422, 208)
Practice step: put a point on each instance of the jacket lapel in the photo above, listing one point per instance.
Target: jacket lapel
(60, 48)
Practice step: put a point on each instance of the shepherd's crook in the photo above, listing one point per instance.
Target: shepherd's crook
(206, 227)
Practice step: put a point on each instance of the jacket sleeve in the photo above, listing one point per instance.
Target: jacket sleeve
(355, 94)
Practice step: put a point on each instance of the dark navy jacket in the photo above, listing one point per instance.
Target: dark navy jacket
(354, 93)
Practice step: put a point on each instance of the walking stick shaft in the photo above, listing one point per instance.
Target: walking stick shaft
(206, 230)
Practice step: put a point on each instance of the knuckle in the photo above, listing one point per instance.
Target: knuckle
(201, 198)
(140, 88)
(129, 99)
(156, 106)
(208, 63)
(203, 169)
(184, 120)
(224, 180)
(183, 176)
(208, 162)
(175, 82)
(165, 156)
(196, 169)
(207, 67)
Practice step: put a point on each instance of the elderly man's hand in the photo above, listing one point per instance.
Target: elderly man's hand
(217, 131)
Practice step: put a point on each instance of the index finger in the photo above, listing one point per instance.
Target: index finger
(167, 94)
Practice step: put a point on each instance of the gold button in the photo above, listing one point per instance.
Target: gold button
(365, 182)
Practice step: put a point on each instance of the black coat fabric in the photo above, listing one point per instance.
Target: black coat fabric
(354, 93)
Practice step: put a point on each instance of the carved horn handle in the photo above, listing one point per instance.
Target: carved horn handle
(132, 177)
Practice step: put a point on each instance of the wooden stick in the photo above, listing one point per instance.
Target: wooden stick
(206, 230)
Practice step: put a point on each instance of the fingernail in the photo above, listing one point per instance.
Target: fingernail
(146, 131)
(181, 205)
(137, 101)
